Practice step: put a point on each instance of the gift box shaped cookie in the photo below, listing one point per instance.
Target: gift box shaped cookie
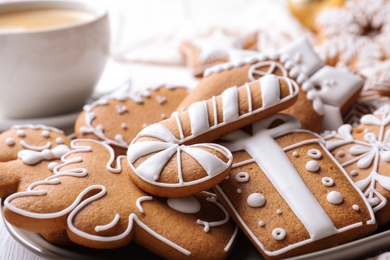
(325, 92)
(288, 193)
(364, 152)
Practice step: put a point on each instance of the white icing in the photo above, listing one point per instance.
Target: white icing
(242, 177)
(327, 181)
(312, 166)
(10, 141)
(25, 145)
(188, 205)
(270, 90)
(52, 165)
(230, 105)
(356, 207)
(261, 223)
(207, 224)
(256, 200)
(239, 190)
(109, 225)
(33, 157)
(314, 153)
(354, 173)
(21, 133)
(161, 99)
(121, 109)
(139, 201)
(295, 154)
(45, 133)
(198, 116)
(334, 197)
(279, 233)
(279, 212)
(60, 140)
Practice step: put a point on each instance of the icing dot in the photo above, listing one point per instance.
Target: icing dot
(51, 166)
(187, 204)
(242, 177)
(327, 181)
(21, 133)
(45, 133)
(255, 200)
(373, 201)
(279, 212)
(239, 190)
(312, 166)
(59, 140)
(279, 233)
(314, 153)
(295, 154)
(161, 99)
(123, 126)
(354, 173)
(355, 207)
(261, 223)
(334, 197)
(144, 125)
(10, 141)
(227, 177)
(341, 154)
(164, 116)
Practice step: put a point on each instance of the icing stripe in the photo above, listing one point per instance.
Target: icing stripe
(230, 104)
(249, 97)
(270, 90)
(198, 114)
(211, 164)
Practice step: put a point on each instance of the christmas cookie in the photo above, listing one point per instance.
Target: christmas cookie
(326, 92)
(116, 120)
(27, 147)
(355, 34)
(91, 197)
(212, 48)
(171, 158)
(288, 193)
(364, 152)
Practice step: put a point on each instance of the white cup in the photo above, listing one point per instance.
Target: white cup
(51, 71)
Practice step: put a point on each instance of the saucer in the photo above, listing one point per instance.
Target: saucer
(64, 122)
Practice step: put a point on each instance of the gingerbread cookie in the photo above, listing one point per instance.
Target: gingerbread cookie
(355, 34)
(170, 158)
(91, 197)
(116, 120)
(287, 192)
(204, 51)
(364, 152)
(27, 147)
(326, 92)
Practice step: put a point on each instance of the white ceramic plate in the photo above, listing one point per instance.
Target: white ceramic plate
(359, 249)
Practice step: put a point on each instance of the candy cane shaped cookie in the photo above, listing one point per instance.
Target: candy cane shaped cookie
(170, 158)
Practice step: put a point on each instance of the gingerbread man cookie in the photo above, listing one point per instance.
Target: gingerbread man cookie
(171, 159)
(91, 197)
(27, 147)
(287, 192)
(364, 152)
(116, 120)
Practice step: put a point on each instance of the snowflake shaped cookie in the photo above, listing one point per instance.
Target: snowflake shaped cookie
(356, 34)
(364, 152)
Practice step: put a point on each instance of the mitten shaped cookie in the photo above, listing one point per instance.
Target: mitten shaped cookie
(326, 92)
(116, 120)
(27, 147)
(364, 152)
(92, 198)
(170, 158)
(287, 192)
